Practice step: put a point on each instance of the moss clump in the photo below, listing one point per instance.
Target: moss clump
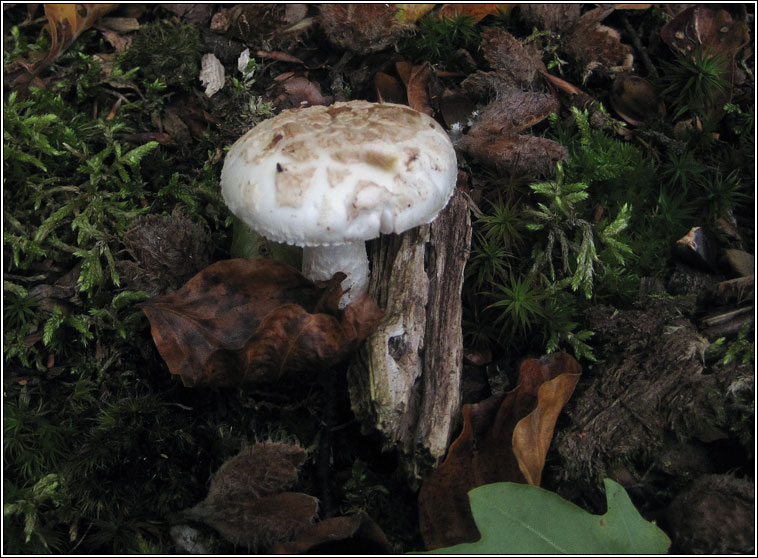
(87, 421)
(166, 51)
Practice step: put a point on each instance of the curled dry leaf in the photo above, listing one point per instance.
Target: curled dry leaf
(505, 439)
(563, 85)
(715, 31)
(416, 80)
(253, 321)
(349, 535)
(279, 56)
(533, 434)
(590, 43)
(246, 502)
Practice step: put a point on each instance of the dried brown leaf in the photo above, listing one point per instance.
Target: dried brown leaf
(389, 89)
(716, 31)
(254, 320)
(279, 56)
(634, 99)
(117, 40)
(118, 24)
(533, 434)
(589, 42)
(504, 439)
(404, 70)
(476, 12)
(416, 83)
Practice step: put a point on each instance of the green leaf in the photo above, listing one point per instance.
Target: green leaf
(522, 519)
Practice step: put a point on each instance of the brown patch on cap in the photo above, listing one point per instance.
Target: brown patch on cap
(380, 160)
(335, 176)
(291, 187)
(334, 111)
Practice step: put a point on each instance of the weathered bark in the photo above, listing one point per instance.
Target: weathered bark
(405, 382)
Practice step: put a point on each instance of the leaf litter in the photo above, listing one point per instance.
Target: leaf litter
(236, 332)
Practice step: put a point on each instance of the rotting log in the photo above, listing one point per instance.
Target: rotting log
(405, 381)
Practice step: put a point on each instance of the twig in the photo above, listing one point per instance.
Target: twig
(279, 56)
(651, 71)
(728, 324)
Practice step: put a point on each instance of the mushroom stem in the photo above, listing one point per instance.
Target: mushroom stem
(320, 263)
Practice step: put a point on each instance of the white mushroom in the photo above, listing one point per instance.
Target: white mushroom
(330, 178)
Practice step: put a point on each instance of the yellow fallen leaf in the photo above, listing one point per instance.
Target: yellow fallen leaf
(410, 13)
(65, 22)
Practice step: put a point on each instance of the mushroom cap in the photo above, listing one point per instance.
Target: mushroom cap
(326, 175)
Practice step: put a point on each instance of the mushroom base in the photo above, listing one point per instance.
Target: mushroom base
(320, 263)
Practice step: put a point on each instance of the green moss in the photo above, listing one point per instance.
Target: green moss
(87, 402)
(439, 40)
(166, 51)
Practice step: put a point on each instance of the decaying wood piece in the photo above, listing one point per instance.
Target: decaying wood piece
(405, 382)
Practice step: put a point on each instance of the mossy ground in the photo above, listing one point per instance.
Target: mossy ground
(102, 444)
